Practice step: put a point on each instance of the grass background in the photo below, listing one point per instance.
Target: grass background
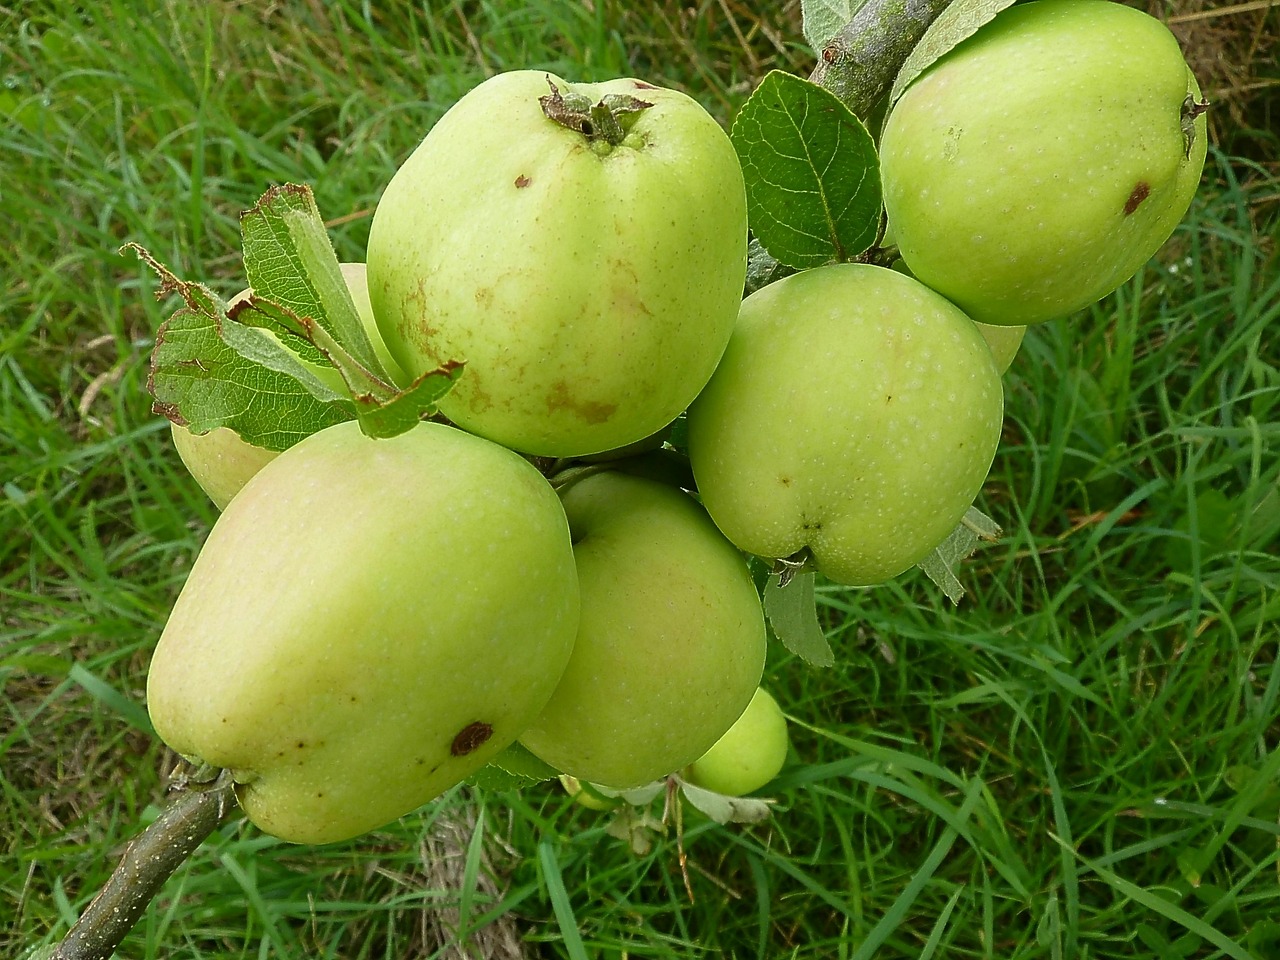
(1081, 761)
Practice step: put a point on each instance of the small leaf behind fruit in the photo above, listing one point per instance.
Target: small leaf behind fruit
(823, 19)
(723, 809)
(793, 613)
(762, 267)
(493, 778)
(957, 23)
(940, 565)
(812, 175)
(288, 259)
(517, 760)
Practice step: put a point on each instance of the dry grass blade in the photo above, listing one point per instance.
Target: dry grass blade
(444, 859)
(1232, 50)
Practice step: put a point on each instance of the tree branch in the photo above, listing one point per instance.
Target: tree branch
(193, 813)
(861, 61)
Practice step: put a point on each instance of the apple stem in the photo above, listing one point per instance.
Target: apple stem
(194, 811)
(604, 123)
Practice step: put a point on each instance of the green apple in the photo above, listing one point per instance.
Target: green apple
(854, 416)
(749, 755)
(368, 623)
(584, 794)
(671, 642)
(1004, 340)
(589, 285)
(220, 461)
(1038, 165)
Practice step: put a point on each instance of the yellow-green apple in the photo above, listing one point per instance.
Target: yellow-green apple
(852, 421)
(1039, 164)
(1004, 340)
(581, 246)
(671, 642)
(368, 623)
(220, 460)
(750, 753)
(586, 795)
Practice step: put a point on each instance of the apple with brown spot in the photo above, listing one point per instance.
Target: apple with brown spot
(1042, 162)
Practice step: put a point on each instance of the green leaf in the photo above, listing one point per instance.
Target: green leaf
(823, 19)
(201, 376)
(494, 778)
(289, 260)
(762, 267)
(724, 809)
(940, 565)
(812, 175)
(793, 614)
(388, 418)
(957, 23)
(518, 761)
(256, 341)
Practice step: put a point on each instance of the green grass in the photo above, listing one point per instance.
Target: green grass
(1079, 761)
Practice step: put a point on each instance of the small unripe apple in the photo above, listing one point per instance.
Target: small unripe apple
(589, 283)
(368, 623)
(220, 461)
(671, 640)
(854, 416)
(1004, 341)
(586, 795)
(1039, 164)
(749, 755)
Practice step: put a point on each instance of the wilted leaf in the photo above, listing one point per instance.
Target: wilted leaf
(724, 809)
(208, 371)
(289, 260)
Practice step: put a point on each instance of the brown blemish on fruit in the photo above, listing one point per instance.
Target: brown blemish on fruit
(484, 297)
(470, 738)
(641, 85)
(561, 398)
(1140, 192)
(522, 181)
(785, 481)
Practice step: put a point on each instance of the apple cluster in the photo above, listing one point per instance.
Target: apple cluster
(546, 563)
